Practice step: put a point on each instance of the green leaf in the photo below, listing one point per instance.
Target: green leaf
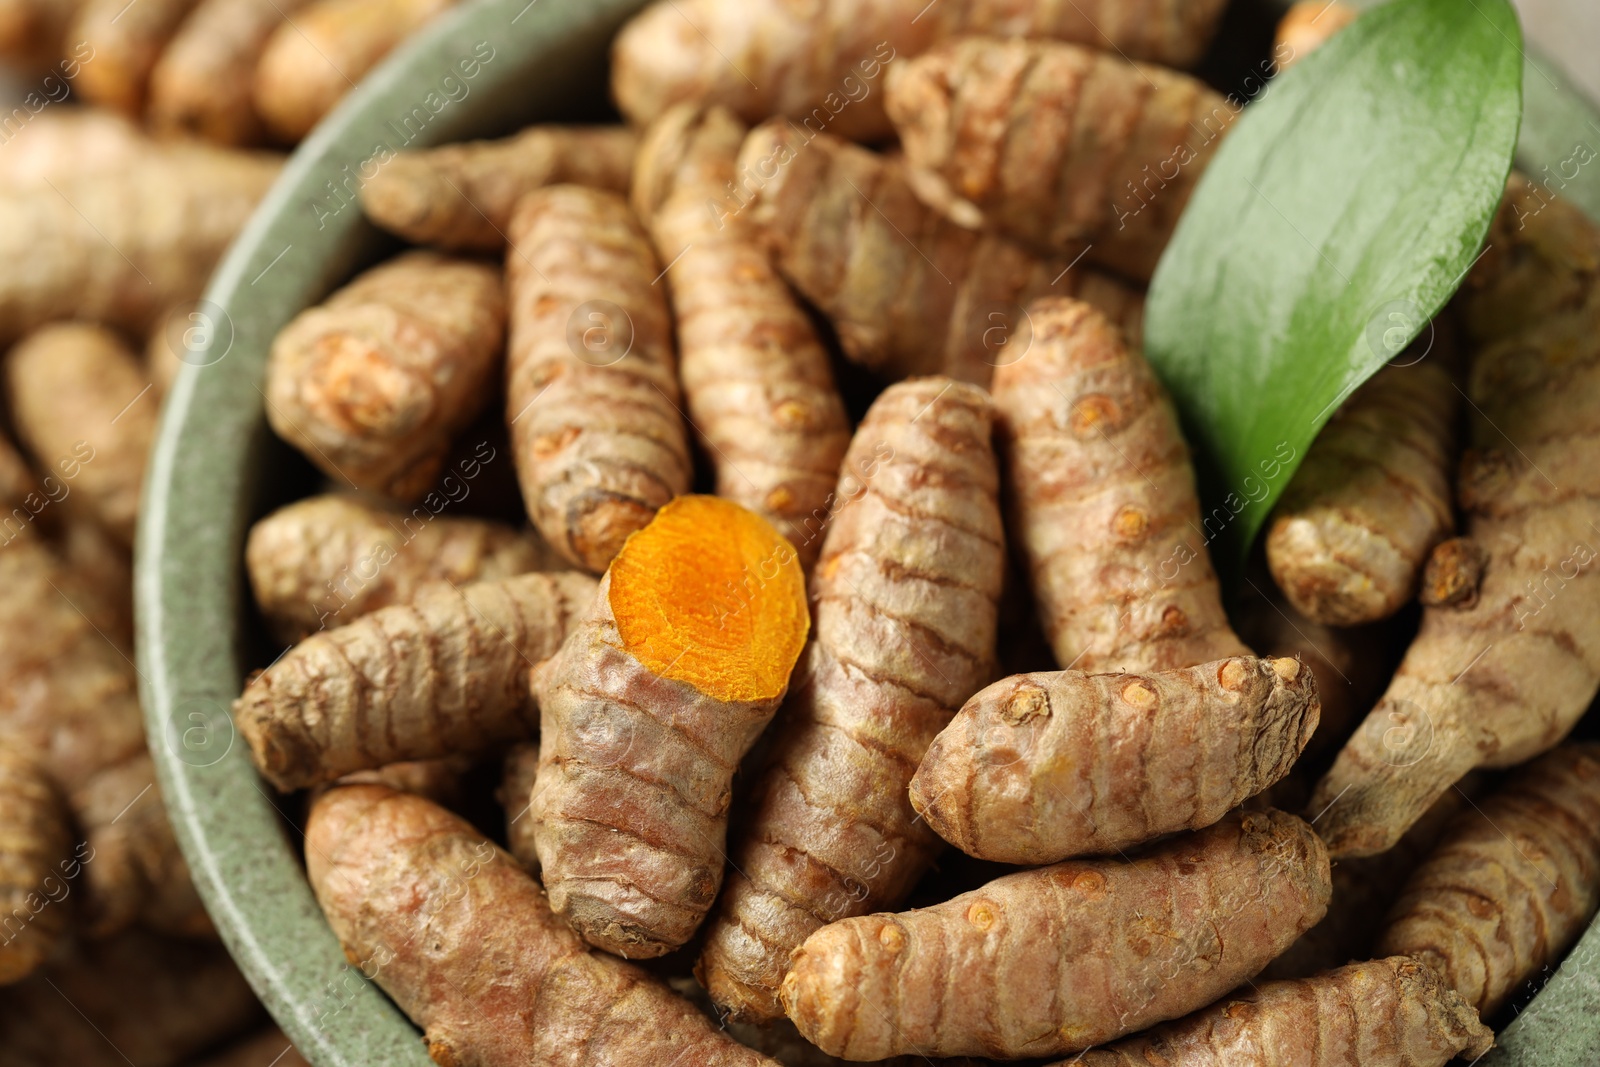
(1333, 223)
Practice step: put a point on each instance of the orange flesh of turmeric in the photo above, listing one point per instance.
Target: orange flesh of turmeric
(709, 594)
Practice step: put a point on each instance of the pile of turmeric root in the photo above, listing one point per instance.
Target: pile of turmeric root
(859, 687)
(236, 73)
(106, 955)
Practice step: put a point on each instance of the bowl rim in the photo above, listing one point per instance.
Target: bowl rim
(520, 59)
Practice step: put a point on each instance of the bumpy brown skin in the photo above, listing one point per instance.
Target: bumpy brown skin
(516, 797)
(1511, 885)
(645, 713)
(756, 379)
(127, 40)
(1384, 1013)
(328, 560)
(67, 695)
(79, 391)
(1496, 683)
(1373, 496)
(1363, 889)
(822, 63)
(35, 853)
(1042, 767)
(465, 943)
(1064, 957)
(203, 84)
(461, 196)
(1061, 146)
(1105, 509)
(135, 998)
(444, 674)
(169, 215)
(908, 291)
(373, 383)
(31, 30)
(309, 64)
(905, 599)
(592, 396)
(1308, 26)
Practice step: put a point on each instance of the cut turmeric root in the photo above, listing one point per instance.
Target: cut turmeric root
(645, 712)
(444, 674)
(386, 867)
(1500, 677)
(592, 393)
(908, 291)
(1041, 767)
(1064, 957)
(755, 376)
(1106, 510)
(905, 598)
(1060, 146)
(1387, 1013)
(1511, 885)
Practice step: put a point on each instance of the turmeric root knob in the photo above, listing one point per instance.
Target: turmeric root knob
(709, 594)
(645, 713)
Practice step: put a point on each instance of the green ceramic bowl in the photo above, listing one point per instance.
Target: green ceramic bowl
(485, 69)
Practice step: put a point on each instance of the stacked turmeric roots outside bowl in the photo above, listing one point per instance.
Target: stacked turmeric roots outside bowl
(699, 292)
(112, 216)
